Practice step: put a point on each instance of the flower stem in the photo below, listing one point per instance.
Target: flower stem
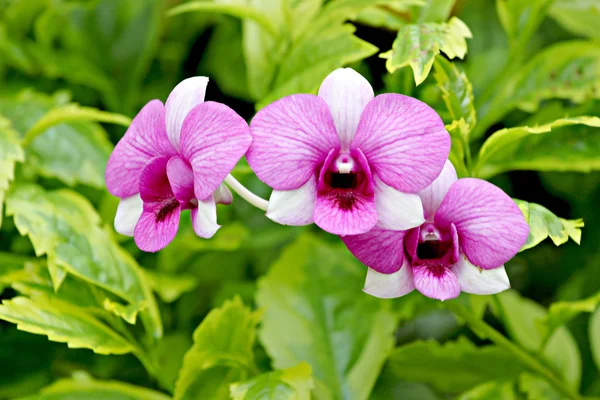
(246, 194)
(482, 329)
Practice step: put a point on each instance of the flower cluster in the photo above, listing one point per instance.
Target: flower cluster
(372, 169)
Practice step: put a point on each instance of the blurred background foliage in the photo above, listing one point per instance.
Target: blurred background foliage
(263, 311)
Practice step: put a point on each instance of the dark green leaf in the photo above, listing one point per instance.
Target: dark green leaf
(454, 366)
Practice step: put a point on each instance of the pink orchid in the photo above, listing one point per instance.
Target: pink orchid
(173, 158)
(345, 159)
(472, 228)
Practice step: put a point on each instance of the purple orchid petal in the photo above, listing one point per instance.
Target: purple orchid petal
(404, 140)
(389, 286)
(213, 139)
(397, 210)
(128, 213)
(181, 178)
(480, 281)
(152, 234)
(160, 219)
(379, 249)
(436, 282)
(204, 218)
(223, 195)
(290, 139)
(186, 95)
(346, 93)
(145, 139)
(353, 219)
(294, 207)
(411, 242)
(491, 227)
(434, 194)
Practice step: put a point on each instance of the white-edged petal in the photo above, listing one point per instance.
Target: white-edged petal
(346, 92)
(294, 207)
(128, 213)
(186, 95)
(398, 211)
(223, 195)
(433, 195)
(204, 218)
(388, 286)
(480, 281)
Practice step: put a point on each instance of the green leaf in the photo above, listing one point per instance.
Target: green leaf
(417, 45)
(520, 315)
(434, 11)
(566, 70)
(171, 287)
(537, 388)
(300, 14)
(595, 337)
(520, 18)
(222, 353)
(11, 152)
(457, 91)
(311, 60)
(454, 366)
(563, 311)
(315, 312)
(543, 224)
(128, 312)
(542, 148)
(75, 152)
(490, 391)
(263, 52)
(63, 323)
(237, 10)
(290, 384)
(577, 16)
(63, 225)
(70, 113)
(82, 387)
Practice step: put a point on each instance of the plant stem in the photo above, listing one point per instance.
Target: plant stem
(246, 194)
(482, 329)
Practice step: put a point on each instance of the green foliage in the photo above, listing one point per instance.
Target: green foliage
(63, 323)
(11, 152)
(544, 148)
(82, 387)
(454, 366)
(64, 226)
(221, 354)
(290, 384)
(417, 45)
(543, 224)
(311, 314)
(73, 73)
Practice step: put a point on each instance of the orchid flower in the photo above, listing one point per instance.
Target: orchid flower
(346, 160)
(472, 228)
(174, 157)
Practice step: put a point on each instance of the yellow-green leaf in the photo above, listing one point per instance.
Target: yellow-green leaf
(221, 355)
(556, 146)
(289, 384)
(11, 152)
(71, 113)
(578, 16)
(417, 45)
(83, 387)
(595, 336)
(315, 312)
(63, 225)
(63, 323)
(543, 224)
